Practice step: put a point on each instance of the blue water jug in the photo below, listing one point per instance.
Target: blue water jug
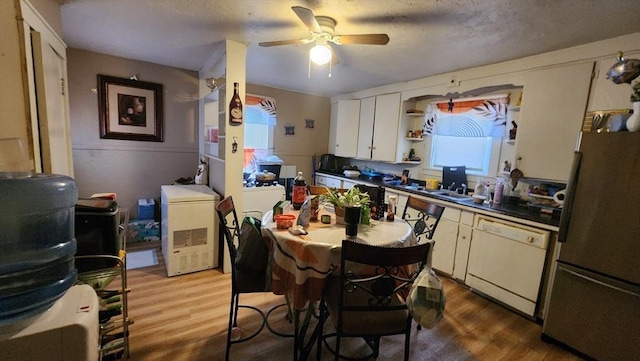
(37, 244)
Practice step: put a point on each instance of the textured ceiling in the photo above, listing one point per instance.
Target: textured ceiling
(427, 37)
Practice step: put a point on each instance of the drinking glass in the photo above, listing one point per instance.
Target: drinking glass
(351, 219)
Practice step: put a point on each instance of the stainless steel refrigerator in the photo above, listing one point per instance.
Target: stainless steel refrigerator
(594, 304)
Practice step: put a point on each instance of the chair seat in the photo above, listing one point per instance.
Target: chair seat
(364, 323)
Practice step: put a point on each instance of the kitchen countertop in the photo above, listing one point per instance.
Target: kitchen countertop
(519, 211)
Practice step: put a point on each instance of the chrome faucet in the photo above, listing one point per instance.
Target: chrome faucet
(464, 188)
(451, 186)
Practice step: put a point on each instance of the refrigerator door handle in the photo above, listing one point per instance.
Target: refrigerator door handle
(589, 279)
(565, 216)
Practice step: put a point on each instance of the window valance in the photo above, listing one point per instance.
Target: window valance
(472, 117)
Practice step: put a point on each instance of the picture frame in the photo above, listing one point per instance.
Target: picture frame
(130, 109)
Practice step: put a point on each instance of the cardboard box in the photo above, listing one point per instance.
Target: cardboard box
(146, 208)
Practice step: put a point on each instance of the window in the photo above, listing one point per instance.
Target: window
(472, 152)
(466, 132)
(259, 124)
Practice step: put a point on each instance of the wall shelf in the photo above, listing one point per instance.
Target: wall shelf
(414, 139)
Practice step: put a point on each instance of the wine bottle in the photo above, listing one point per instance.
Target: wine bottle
(235, 106)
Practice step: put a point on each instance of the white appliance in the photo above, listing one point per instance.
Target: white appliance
(506, 261)
(68, 331)
(189, 228)
(258, 200)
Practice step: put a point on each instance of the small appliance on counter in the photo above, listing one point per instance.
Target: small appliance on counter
(454, 177)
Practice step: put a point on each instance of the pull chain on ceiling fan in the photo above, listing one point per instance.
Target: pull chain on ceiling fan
(322, 29)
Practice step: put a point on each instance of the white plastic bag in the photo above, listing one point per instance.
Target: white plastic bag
(426, 299)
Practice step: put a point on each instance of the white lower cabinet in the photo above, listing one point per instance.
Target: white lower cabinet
(328, 181)
(452, 242)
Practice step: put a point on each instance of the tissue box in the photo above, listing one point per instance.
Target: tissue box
(146, 208)
(143, 231)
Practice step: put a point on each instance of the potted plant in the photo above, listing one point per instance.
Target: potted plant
(339, 200)
(633, 122)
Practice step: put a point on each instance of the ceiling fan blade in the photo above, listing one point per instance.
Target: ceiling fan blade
(334, 57)
(307, 18)
(371, 39)
(283, 42)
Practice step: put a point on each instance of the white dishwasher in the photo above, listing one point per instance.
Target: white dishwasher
(506, 262)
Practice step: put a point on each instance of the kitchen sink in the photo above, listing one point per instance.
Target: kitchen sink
(453, 195)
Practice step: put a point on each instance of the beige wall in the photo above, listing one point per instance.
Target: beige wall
(293, 109)
(132, 169)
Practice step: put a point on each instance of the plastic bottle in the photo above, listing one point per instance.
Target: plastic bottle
(497, 196)
(299, 192)
(487, 193)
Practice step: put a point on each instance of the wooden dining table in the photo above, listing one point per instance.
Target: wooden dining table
(302, 264)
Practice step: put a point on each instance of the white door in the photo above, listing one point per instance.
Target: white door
(554, 102)
(346, 127)
(53, 124)
(385, 134)
(365, 128)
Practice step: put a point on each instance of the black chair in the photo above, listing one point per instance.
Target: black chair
(423, 216)
(244, 279)
(368, 299)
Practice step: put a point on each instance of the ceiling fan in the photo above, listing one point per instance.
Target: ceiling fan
(322, 30)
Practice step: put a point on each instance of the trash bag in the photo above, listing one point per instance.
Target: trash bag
(426, 299)
(253, 253)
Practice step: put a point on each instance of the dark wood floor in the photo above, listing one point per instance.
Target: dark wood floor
(184, 318)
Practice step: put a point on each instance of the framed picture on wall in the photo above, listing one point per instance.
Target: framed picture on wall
(129, 109)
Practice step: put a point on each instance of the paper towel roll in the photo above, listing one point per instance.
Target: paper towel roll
(559, 196)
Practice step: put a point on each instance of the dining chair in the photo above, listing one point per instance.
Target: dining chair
(249, 279)
(319, 190)
(423, 216)
(367, 300)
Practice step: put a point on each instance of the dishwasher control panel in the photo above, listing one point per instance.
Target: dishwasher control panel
(513, 231)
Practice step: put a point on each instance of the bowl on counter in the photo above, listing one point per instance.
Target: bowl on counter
(478, 199)
(351, 173)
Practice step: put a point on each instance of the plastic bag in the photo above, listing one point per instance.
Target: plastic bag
(426, 299)
(305, 213)
(253, 253)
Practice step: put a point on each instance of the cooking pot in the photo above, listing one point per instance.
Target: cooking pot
(265, 176)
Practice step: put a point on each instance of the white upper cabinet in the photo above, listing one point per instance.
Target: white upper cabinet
(554, 101)
(344, 124)
(378, 131)
(365, 128)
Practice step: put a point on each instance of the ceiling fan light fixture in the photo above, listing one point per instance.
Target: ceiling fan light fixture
(320, 54)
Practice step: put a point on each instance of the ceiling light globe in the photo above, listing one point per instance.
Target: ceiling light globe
(320, 54)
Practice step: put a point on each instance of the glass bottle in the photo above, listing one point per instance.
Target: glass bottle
(235, 106)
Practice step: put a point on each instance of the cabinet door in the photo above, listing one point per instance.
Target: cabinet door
(553, 106)
(347, 117)
(462, 252)
(365, 128)
(445, 246)
(385, 133)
